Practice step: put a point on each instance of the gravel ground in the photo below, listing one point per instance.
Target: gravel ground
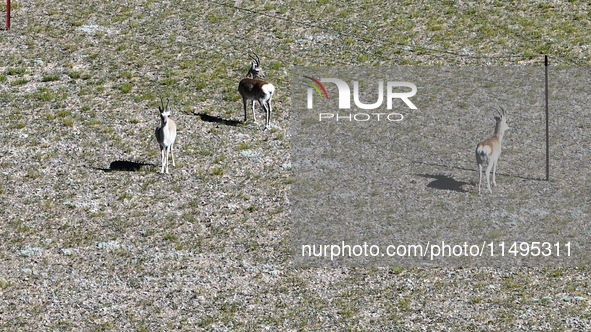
(94, 238)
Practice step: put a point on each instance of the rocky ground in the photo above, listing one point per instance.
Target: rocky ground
(93, 237)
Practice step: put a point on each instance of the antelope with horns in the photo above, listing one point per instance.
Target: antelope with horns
(165, 135)
(490, 150)
(253, 88)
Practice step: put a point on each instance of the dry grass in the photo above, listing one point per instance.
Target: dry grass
(88, 246)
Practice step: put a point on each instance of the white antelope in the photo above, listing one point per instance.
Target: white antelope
(253, 88)
(165, 135)
(490, 150)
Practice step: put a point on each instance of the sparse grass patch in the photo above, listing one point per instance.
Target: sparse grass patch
(45, 94)
(217, 171)
(124, 196)
(126, 88)
(556, 273)
(74, 75)
(33, 174)
(21, 227)
(404, 305)
(200, 84)
(50, 78)
(243, 146)
(171, 238)
(63, 114)
(205, 152)
(4, 284)
(169, 81)
(20, 81)
(16, 71)
(84, 92)
(476, 300)
(68, 121)
(231, 95)
(213, 18)
(125, 75)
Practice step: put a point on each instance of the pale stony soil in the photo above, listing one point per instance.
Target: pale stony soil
(86, 246)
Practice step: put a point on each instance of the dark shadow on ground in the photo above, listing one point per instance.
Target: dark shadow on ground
(444, 182)
(476, 170)
(124, 166)
(217, 119)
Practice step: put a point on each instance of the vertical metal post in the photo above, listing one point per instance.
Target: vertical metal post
(7, 14)
(547, 126)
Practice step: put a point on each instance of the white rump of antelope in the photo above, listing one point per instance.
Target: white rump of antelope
(165, 135)
(489, 150)
(253, 88)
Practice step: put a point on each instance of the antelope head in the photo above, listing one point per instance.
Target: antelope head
(164, 110)
(502, 119)
(256, 70)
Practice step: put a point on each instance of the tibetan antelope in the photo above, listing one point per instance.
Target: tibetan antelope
(253, 88)
(165, 135)
(490, 150)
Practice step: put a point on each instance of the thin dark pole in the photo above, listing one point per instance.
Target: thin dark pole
(7, 14)
(547, 126)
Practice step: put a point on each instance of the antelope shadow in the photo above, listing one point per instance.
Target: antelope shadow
(444, 182)
(476, 170)
(217, 119)
(124, 166)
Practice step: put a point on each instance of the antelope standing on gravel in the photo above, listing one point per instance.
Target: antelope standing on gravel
(253, 88)
(490, 150)
(165, 135)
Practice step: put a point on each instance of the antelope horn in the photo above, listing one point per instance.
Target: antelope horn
(257, 59)
(162, 103)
